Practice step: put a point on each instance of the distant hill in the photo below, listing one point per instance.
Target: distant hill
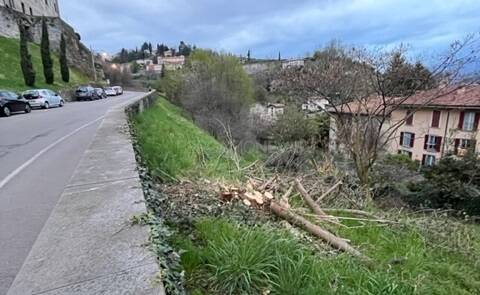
(11, 77)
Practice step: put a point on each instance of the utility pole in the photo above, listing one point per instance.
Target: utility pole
(93, 64)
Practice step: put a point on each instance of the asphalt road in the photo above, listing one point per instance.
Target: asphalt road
(38, 155)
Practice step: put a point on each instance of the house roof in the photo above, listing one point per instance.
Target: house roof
(448, 97)
(463, 97)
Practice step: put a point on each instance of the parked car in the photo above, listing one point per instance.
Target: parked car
(100, 93)
(85, 93)
(10, 103)
(118, 89)
(43, 98)
(110, 91)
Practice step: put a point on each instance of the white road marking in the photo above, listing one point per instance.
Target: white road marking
(17, 171)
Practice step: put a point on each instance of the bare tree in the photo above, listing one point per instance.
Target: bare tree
(358, 85)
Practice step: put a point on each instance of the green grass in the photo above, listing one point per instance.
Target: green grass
(236, 259)
(11, 76)
(173, 146)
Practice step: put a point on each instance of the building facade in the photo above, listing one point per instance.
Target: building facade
(431, 128)
(47, 8)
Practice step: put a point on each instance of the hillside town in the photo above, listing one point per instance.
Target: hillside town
(256, 148)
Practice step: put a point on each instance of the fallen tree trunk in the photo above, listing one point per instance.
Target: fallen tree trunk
(310, 202)
(314, 229)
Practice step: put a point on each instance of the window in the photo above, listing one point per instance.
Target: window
(468, 121)
(407, 139)
(433, 143)
(23, 7)
(436, 119)
(31, 11)
(462, 145)
(428, 160)
(409, 119)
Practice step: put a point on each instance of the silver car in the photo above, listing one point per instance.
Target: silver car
(43, 98)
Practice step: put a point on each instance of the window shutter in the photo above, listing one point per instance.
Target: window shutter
(462, 117)
(409, 120)
(424, 158)
(426, 142)
(474, 145)
(438, 144)
(401, 138)
(477, 119)
(412, 140)
(457, 144)
(436, 119)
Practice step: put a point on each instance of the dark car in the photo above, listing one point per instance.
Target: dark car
(13, 103)
(86, 93)
(100, 93)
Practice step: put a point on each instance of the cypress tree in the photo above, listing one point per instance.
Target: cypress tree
(63, 60)
(26, 59)
(46, 57)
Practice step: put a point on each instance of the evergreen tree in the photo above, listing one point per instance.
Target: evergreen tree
(46, 57)
(248, 55)
(63, 60)
(26, 59)
(279, 56)
(150, 49)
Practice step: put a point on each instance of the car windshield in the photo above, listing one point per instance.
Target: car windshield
(82, 89)
(31, 94)
(7, 94)
(109, 89)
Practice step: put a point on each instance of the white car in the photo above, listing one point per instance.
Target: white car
(118, 89)
(43, 98)
(110, 91)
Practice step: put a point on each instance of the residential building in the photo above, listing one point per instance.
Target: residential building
(269, 112)
(315, 105)
(434, 124)
(33, 7)
(293, 63)
(172, 62)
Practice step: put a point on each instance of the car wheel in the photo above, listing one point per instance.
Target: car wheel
(61, 103)
(28, 108)
(46, 106)
(6, 111)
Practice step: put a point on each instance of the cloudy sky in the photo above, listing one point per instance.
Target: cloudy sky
(293, 27)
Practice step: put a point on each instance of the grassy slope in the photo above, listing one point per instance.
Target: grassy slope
(232, 259)
(173, 146)
(11, 76)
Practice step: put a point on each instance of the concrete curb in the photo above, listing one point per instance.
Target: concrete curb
(88, 245)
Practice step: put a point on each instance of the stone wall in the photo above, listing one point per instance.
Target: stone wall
(33, 7)
(79, 56)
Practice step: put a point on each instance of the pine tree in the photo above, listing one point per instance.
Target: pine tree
(26, 59)
(46, 57)
(279, 56)
(248, 55)
(63, 60)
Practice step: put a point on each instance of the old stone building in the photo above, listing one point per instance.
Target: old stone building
(33, 7)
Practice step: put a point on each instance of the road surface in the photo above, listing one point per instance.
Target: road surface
(38, 155)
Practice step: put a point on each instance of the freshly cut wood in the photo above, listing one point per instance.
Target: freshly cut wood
(254, 197)
(269, 195)
(310, 202)
(329, 191)
(247, 203)
(314, 229)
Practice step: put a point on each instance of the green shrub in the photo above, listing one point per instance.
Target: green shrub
(451, 184)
